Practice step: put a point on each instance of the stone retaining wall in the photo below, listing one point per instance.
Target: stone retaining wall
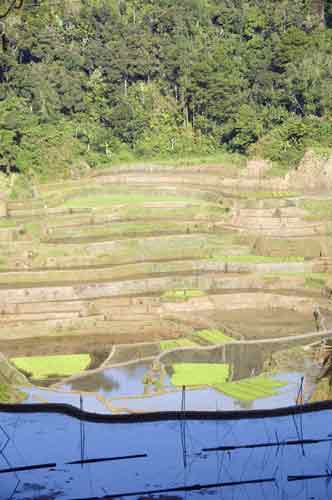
(147, 286)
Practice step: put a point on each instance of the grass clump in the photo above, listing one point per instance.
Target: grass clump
(191, 374)
(182, 295)
(250, 389)
(213, 336)
(42, 367)
(166, 345)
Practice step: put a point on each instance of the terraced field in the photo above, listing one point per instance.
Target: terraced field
(132, 264)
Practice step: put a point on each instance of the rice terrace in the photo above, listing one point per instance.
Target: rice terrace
(165, 249)
(127, 284)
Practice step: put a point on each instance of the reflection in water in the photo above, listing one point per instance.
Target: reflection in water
(254, 469)
(146, 386)
(123, 381)
(97, 382)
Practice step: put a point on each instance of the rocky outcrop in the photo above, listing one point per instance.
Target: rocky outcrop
(314, 173)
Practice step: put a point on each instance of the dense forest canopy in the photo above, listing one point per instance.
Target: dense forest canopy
(91, 82)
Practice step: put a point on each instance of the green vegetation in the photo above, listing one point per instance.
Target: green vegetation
(218, 158)
(181, 295)
(92, 84)
(256, 259)
(191, 374)
(315, 280)
(6, 393)
(251, 388)
(213, 336)
(216, 375)
(42, 367)
(318, 209)
(265, 195)
(111, 199)
(166, 345)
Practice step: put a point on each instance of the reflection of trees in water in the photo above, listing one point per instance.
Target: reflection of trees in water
(96, 382)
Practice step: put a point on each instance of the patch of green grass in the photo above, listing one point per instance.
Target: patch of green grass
(166, 345)
(256, 259)
(318, 209)
(5, 393)
(261, 195)
(213, 336)
(317, 280)
(193, 210)
(33, 228)
(277, 170)
(191, 374)
(6, 222)
(220, 158)
(104, 200)
(10, 394)
(181, 295)
(41, 367)
(250, 389)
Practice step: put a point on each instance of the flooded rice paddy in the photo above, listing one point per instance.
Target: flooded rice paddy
(156, 288)
(258, 376)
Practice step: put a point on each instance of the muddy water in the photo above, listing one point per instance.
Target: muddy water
(135, 386)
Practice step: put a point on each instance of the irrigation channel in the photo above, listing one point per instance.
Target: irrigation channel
(120, 292)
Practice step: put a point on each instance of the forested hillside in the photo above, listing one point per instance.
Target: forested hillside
(92, 82)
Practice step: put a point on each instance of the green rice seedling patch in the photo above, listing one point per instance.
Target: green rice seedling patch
(213, 336)
(251, 388)
(42, 367)
(182, 295)
(166, 345)
(192, 374)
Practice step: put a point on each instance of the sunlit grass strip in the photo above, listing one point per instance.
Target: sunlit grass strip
(41, 367)
(213, 336)
(182, 295)
(318, 209)
(166, 345)
(105, 200)
(250, 389)
(255, 259)
(191, 374)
